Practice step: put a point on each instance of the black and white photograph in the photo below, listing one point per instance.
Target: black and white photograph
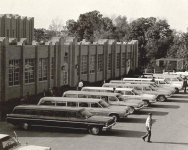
(93, 74)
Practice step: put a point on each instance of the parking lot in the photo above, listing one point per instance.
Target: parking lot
(169, 132)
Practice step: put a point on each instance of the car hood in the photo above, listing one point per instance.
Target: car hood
(100, 118)
(32, 147)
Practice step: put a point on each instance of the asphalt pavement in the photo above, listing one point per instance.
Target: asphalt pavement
(169, 131)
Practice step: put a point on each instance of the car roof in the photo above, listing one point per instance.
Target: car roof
(70, 99)
(91, 93)
(44, 107)
(3, 136)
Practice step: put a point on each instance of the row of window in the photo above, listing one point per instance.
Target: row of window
(29, 72)
(120, 62)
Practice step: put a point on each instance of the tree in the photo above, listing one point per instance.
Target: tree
(90, 26)
(41, 35)
(138, 29)
(121, 28)
(159, 40)
(57, 28)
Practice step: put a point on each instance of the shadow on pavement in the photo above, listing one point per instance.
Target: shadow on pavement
(155, 113)
(124, 133)
(165, 106)
(46, 132)
(180, 96)
(178, 101)
(171, 143)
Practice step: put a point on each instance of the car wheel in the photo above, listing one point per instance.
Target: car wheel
(25, 126)
(94, 130)
(161, 98)
(146, 103)
(116, 117)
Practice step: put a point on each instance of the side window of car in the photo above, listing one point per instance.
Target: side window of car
(95, 105)
(48, 103)
(71, 104)
(61, 103)
(82, 96)
(83, 104)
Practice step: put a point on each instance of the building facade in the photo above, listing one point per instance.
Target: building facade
(34, 68)
(18, 27)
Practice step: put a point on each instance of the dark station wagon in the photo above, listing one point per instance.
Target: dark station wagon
(26, 116)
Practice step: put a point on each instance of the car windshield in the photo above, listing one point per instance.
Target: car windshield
(9, 142)
(85, 113)
(103, 104)
(120, 98)
(135, 92)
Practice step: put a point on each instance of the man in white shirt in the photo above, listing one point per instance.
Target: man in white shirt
(80, 85)
(148, 127)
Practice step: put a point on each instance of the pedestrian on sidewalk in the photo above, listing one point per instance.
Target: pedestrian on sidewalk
(185, 84)
(148, 128)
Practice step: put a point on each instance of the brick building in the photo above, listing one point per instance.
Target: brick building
(35, 68)
(18, 27)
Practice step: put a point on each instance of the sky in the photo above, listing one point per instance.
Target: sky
(44, 11)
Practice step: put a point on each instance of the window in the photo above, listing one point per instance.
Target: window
(83, 104)
(84, 64)
(50, 103)
(14, 72)
(82, 96)
(109, 61)
(43, 65)
(61, 103)
(71, 104)
(123, 60)
(29, 70)
(100, 62)
(52, 68)
(95, 105)
(92, 64)
(118, 57)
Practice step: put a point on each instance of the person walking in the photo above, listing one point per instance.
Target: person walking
(148, 128)
(185, 84)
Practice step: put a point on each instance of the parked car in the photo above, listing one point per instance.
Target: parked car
(95, 106)
(27, 116)
(132, 93)
(110, 98)
(12, 143)
(128, 93)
